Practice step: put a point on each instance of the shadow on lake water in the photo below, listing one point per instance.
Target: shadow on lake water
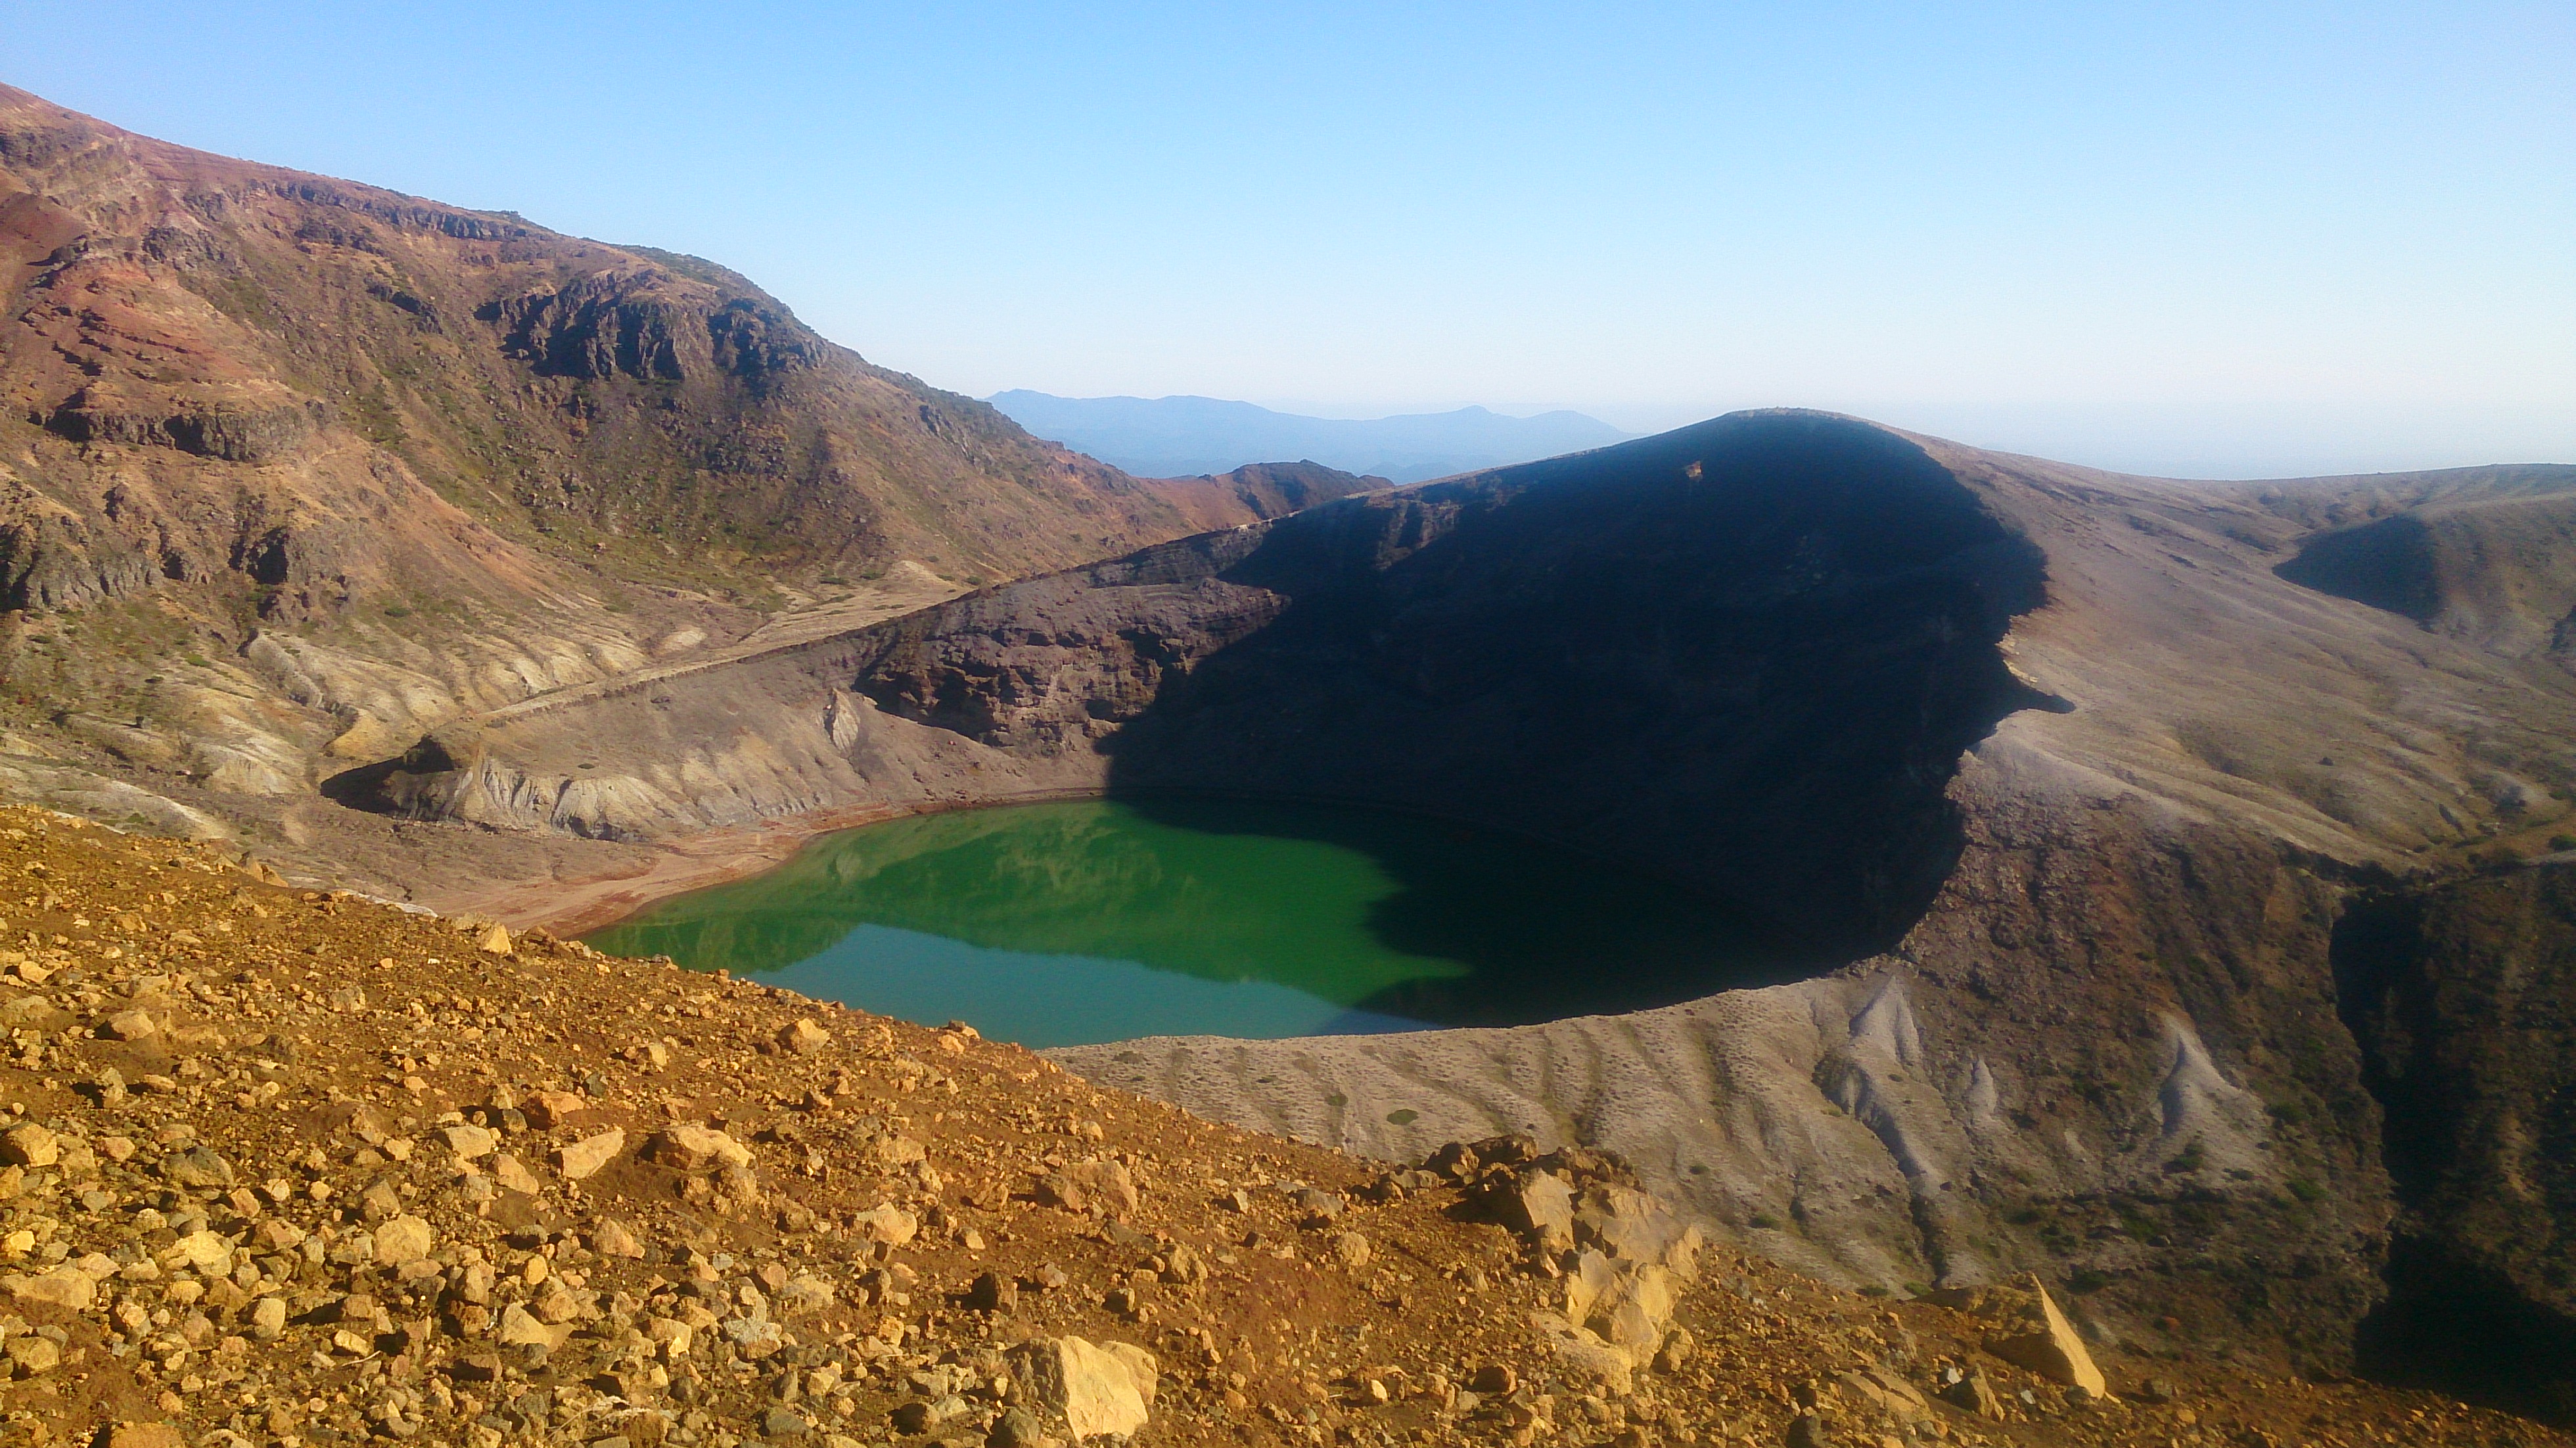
(1100, 920)
(1539, 932)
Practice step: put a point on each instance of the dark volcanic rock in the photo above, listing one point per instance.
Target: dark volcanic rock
(2464, 999)
(1654, 653)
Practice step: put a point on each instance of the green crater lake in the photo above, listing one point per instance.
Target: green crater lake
(1071, 923)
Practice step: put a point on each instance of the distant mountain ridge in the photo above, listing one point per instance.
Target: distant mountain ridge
(1176, 437)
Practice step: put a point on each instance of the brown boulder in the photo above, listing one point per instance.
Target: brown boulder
(696, 1148)
(29, 1145)
(1106, 1388)
(1089, 1186)
(1539, 1206)
(613, 1238)
(584, 1158)
(60, 1287)
(547, 1110)
(2032, 1333)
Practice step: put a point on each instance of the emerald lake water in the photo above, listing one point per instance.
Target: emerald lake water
(1070, 923)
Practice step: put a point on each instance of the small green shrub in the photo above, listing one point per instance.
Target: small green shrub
(1765, 1222)
(1403, 1116)
(2306, 1190)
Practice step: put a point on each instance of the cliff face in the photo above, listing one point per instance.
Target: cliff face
(293, 469)
(2055, 785)
(2463, 996)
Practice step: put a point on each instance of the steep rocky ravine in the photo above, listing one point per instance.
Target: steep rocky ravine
(2463, 996)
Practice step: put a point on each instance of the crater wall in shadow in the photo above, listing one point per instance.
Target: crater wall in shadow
(2463, 997)
(1747, 655)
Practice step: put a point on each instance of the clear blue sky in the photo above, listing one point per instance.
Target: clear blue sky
(2197, 238)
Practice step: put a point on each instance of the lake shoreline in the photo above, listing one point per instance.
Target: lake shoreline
(583, 904)
(1250, 917)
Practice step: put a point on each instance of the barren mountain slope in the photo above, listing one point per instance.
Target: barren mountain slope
(1263, 490)
(293, 468)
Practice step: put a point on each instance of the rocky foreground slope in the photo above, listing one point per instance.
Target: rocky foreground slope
(286, 1167)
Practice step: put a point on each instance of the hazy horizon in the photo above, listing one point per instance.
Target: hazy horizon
(2213, 443)
(2192, 242)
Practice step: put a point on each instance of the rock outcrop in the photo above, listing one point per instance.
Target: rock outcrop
(1088, 1390)
(2031, 1332)
(2463, 996)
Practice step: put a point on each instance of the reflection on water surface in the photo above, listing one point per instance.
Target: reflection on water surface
(1060, 924)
